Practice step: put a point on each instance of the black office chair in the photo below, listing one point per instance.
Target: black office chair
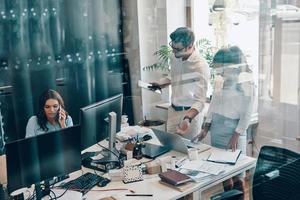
(276, 177)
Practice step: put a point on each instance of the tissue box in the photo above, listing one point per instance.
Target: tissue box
(153, 167)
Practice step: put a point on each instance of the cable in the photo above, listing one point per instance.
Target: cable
(52, 185)
(54, 195)
(112, 152)
(106, 190)
(29, 193)
(32, 196)
(63, 193)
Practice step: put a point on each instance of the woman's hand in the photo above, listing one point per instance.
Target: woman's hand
(233, 142)
(200, 136)
(62, 118)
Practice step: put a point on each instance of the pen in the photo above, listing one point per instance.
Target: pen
(139, 195)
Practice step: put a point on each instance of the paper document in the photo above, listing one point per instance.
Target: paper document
(204, 166)
(199, 145)
(195, 175)
(224, 156)
(148, 86)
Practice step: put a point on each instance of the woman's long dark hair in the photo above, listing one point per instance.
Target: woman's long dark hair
(41, 116)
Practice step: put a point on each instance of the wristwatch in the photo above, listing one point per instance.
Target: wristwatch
(206, 125)
(189, 118)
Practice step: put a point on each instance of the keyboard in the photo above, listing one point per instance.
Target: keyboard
(85, 182)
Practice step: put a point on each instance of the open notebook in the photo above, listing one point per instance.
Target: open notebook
(224, 156)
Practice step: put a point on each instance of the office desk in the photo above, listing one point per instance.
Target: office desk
(151, 185)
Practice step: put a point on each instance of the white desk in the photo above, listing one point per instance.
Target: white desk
(151, 185)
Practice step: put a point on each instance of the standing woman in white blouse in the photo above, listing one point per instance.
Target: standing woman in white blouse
(230, 109)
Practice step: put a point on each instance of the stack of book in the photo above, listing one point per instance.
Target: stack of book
(176, 180)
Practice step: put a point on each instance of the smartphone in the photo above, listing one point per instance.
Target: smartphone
(58, 114)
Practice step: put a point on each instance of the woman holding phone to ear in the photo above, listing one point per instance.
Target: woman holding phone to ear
(51, 115)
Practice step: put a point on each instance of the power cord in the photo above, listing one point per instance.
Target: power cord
(63, 193)
(32, 197)
(54, 195)
(119, 160)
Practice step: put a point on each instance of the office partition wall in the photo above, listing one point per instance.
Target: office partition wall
(72, 46)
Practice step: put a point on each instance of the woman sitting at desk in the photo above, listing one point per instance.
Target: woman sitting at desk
(51, 115)
(230, 109)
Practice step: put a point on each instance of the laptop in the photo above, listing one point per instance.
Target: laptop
(153, 150)
(177, 142)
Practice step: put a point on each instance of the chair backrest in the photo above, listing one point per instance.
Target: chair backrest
(277, 174)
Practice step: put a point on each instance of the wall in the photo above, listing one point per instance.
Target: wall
(132, 54)
(157, 19)
(147, 25)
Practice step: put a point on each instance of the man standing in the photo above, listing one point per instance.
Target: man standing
(189, 80)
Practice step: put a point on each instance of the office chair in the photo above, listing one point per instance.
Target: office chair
(276, 176)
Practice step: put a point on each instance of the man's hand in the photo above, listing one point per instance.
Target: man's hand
(233, 142)
(183, 127)
(200, 136)
(154, 86)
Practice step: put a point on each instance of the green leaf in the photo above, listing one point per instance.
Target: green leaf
(164, 53)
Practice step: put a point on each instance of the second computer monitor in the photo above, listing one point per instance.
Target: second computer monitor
(35, 159)
(94, 120)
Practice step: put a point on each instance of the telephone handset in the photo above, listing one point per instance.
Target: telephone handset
(58, 114)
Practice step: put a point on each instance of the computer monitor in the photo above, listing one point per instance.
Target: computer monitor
(40, 158)
(101, 120)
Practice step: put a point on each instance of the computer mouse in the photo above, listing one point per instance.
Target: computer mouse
(103, 182)
(147, 137)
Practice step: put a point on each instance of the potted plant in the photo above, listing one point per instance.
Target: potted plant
(164, 53)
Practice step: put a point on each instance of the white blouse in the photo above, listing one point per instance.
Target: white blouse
(235, 102)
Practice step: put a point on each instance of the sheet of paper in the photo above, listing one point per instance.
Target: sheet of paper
(145, 85)
(205, 166)
(225, 156)
(195, 175)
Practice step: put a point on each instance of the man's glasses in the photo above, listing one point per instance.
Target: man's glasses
(174, 48)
